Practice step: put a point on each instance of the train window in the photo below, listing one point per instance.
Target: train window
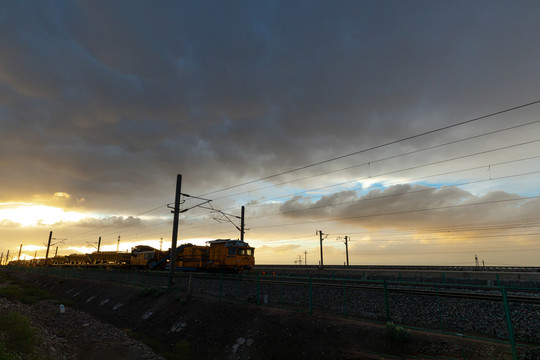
(232, 251)
(249, 252)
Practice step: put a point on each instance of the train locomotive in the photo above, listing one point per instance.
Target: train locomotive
(219, 255)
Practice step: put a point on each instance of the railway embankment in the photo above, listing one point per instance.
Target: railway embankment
(182, 326)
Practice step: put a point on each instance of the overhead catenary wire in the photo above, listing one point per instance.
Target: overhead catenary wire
(372, 162)
(378, 146)
(399, 193)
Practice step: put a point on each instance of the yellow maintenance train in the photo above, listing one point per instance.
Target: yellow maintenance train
(217, 255)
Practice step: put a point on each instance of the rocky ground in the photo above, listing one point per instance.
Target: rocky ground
(76, 335)
(107, 321)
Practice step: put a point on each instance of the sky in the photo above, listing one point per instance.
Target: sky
(410, 127)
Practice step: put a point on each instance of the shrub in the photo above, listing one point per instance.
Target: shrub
(396, 334)
(17, 334)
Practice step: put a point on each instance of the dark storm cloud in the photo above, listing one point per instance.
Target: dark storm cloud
(412, 206)
(101, 98)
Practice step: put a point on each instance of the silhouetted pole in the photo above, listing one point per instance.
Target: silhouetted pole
(99, 244)
(56, 252)
(321, 239)
(242, 224)
(20, 249)
(118, 244)
(347, 249)
(7, 257)
(48, 246)
(305, 258)
(1, 258)
(176, 212)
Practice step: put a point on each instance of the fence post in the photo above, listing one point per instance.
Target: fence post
(237, 288)
(439, 308)
(344, 299)
(509, 323)
(386, 304)
(310, 296)
(282, 295)
(258, 291)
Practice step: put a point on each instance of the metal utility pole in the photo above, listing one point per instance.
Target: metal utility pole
(7, 257)
(20, 249)
(176, 212)
(118, 244)
(47, 253)
(320, 233)
(242, 224)
(227, 217)
(56, 252)
(1, 258)
(160, 244)
(305, 258)
(48, 246)
(346, 242)
(99, 244)
(347, 248)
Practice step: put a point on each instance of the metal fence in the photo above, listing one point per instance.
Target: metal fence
(507, 315)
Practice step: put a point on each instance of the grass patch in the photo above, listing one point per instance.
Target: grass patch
(182, 300)
(23, 293)
(396, 334)
(18, 339)
(397, 339)
(14, 290)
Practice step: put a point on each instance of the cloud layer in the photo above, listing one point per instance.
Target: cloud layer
(108, 101)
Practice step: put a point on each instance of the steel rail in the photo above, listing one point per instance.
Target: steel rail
(409, 291)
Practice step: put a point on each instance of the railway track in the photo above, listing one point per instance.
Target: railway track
(400, 289)
(488, 293)
(405, 268)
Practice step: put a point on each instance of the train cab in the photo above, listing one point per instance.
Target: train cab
(235, 255)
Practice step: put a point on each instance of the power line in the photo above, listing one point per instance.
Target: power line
(376, 147)
(398, 194)
(387, 158)
(421, 166)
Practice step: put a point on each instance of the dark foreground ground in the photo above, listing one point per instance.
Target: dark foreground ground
(108, 321)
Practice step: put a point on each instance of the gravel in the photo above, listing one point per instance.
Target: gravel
(75, 335)
(457, 315)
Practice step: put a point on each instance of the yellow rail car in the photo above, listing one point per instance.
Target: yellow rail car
(220, 255)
